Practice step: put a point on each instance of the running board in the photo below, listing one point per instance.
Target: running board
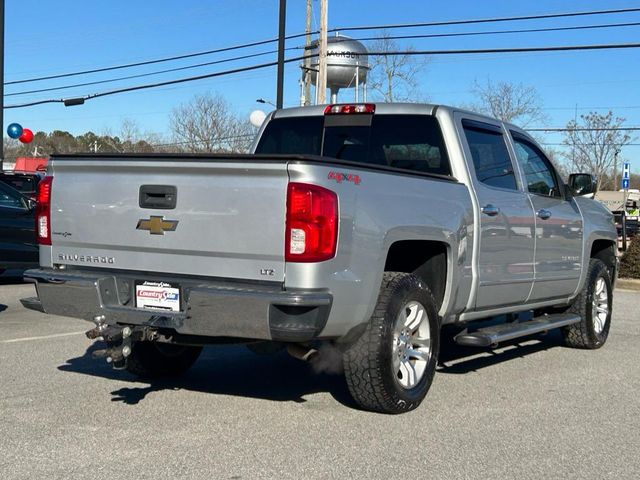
(32, 303)
(486, 337)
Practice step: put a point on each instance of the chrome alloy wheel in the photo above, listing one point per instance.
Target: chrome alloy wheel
(600, 305)
(411, 344)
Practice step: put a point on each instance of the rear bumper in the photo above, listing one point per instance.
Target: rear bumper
(210, 308)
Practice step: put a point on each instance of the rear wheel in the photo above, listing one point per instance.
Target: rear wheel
(391, 366)
(155, 359)
(594, 305)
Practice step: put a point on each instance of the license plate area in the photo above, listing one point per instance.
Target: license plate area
(158, 296)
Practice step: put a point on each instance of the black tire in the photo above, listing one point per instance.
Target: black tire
(368, 362)
(585, 334)
(155, 360)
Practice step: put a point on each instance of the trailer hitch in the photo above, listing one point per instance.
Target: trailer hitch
(119, 341)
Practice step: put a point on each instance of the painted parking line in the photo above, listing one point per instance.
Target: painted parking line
(44, 337)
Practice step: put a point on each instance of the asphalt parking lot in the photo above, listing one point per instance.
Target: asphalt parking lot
(529, 410)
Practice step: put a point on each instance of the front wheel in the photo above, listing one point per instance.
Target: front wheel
(391, 366)
(594, 305)
(154, 359)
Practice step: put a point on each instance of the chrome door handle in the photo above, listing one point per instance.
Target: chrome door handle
(544, 214)
(490, 210)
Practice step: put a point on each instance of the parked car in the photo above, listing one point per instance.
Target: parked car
(18, 247)
(367, 226)
(25, 182)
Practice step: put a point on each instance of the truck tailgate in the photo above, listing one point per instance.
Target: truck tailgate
(230, 216)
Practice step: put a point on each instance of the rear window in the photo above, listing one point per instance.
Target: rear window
(408, 142)
(10, 199)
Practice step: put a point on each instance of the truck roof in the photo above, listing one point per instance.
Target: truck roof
(381, 108)
(396, 108)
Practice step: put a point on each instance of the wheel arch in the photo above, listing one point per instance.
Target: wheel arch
(605, 250)
(428, 259)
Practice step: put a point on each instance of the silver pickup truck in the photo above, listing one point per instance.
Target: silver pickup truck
(366, 226)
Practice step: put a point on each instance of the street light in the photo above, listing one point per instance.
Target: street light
(262, 100)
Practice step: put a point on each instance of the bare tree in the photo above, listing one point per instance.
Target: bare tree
(394, 77)
(593, 144)
(509, 102)
(207, 124)
(129, 130)
(132, 140)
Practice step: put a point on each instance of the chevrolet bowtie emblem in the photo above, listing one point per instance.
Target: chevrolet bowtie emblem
(157, 225)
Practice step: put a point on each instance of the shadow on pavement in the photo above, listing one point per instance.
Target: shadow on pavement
(234, 370)
(225, 370)
(456, 359)
(2, 307)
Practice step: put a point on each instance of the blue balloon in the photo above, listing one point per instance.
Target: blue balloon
(14, 130)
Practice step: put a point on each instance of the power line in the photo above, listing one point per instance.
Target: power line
(486, 20)
(141, 75)
(498, 32)
(557, 48)
(583, 129)
(151, 62)
(586, 144)
(187, 67)
(593, 108)
(299, 35)
(80, 100)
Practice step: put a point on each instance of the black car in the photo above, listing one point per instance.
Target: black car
(25, 182)
(18, 248)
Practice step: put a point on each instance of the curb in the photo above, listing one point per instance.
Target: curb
(628, 284)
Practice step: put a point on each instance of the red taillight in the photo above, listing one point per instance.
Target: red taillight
(43, 211)
(312, 223)
(348, 108)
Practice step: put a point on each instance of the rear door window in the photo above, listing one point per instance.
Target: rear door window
(491, 159)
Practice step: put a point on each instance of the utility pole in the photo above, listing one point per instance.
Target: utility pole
(321, 83)
(615, 170)
(307, 61)
(281, 34)
(575, 125)
(1, 85)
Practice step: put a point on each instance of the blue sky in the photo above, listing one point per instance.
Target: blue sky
(44, 38)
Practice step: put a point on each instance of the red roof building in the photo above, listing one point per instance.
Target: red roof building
(26, 164)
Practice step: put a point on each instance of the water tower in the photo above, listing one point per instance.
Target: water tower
(347, 66)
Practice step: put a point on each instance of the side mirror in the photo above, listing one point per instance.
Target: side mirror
(583, 184)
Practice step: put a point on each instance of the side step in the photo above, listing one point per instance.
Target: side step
(486, 337)
(32, 303)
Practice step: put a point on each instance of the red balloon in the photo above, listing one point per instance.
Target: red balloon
(27, 136)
